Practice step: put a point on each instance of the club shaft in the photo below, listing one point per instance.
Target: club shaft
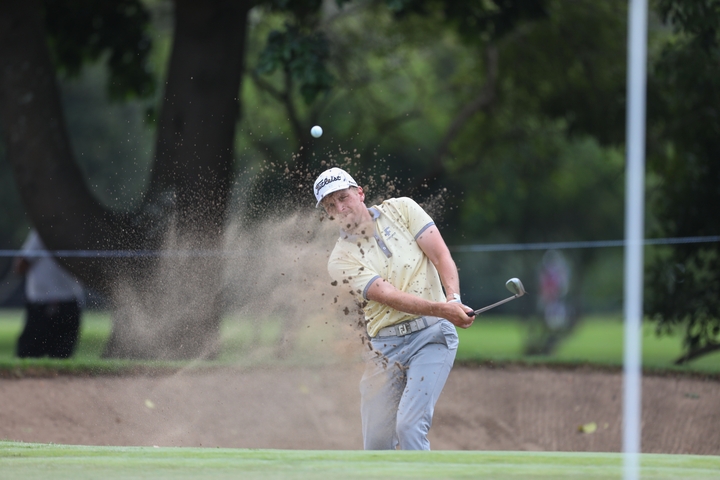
(485, 309)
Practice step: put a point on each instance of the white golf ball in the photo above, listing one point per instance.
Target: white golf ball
(316, 131)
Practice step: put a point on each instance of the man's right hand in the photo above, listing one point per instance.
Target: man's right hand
(457, 314)
(382, 291)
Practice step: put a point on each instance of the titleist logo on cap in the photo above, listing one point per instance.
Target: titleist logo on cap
(332, 180)
(326, 181)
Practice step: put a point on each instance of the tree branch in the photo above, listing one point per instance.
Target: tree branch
(692, 355)
(266, 86)
(483, 101)
(284, 97)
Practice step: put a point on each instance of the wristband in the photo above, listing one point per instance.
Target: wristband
(455, 297)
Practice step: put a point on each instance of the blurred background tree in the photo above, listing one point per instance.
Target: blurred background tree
(191, 172)
(683, 280)
(504, 118)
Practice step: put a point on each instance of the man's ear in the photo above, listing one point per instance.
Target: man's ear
(361, 193)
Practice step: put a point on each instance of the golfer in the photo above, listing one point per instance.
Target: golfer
(393, 256)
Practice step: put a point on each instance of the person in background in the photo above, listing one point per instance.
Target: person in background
(554, 283)
(393, 256)
(53, 302)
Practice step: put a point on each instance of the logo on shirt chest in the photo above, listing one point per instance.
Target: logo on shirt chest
(388, 233)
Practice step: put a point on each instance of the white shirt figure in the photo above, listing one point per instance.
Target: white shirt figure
(46, 280)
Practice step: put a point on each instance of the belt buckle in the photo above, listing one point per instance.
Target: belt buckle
(404, 329)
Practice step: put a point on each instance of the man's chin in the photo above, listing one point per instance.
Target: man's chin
(346, 222)
(358, 228)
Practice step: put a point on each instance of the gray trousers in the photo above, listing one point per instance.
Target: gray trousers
(403, 379)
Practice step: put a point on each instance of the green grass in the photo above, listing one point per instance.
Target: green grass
(38, 461)
(94, 331)
(243, 344)
(598, 340)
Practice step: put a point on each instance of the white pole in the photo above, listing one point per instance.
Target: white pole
(634, 233)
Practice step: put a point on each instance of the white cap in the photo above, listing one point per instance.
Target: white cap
(330, 181)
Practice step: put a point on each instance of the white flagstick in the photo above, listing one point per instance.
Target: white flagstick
(634, 233)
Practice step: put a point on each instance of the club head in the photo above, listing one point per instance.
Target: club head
(515, 286)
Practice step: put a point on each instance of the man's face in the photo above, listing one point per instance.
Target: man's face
(346, 207)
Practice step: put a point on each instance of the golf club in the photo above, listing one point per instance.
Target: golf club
(514, 285)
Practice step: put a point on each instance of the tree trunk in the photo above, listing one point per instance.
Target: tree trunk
(166, 307)
(196, 130)
(51, 186)
(175, 311)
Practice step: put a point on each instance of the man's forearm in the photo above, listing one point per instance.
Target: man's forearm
(448, 275)
(433, 245)
(382, 291)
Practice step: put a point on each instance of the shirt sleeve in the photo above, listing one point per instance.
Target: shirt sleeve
(415, 218)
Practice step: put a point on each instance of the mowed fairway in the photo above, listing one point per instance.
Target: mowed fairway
(38, 461)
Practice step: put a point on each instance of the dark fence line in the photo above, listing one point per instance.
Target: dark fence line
(502, 247)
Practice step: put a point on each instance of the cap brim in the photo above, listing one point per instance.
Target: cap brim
(341, 187)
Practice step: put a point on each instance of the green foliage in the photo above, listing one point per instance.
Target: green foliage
(684, 282)
(571, 67)
(301, 9)
(388, 104)
(697, 18)
(300, 49)
(82, 31)
(474, 20)
(540, 186)
(111, 140)
(301, 57)
(386, 69)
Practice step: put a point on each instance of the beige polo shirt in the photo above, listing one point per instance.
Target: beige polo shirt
(390, 253)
